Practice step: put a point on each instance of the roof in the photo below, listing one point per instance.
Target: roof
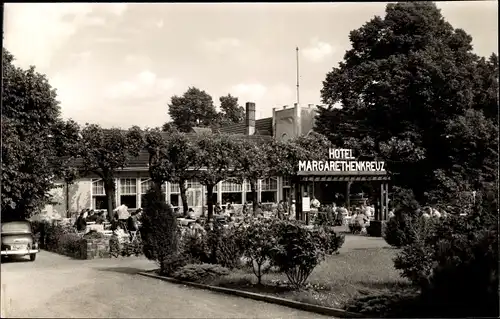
(262, 127)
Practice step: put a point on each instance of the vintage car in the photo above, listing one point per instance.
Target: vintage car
(18, 240)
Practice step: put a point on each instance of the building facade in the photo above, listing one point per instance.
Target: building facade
(133, 182)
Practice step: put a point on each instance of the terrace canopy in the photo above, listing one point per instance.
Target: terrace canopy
(380, 178)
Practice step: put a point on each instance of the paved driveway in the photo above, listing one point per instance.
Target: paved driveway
(56, 286)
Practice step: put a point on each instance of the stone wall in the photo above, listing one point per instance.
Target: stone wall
(95, 248)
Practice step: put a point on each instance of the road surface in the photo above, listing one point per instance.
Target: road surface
(56, 286)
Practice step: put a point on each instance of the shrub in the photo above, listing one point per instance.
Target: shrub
(200, 273)
(225, 246)
(195, 248)
(172, 263)
(328, 239)
(258, 243)
(159, 228)
(70, 245)
(94, 234)
(297, 252)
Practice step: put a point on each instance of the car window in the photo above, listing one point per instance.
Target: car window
(16, 227)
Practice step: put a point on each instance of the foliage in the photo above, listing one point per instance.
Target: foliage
(253, 162)
(195, 108)
(299, 250)
(172, 159)
(172, 263)
(258, 242)
(31, 147)
(62, 240)
(465, 281)
(104, 151)
(217, 156)
(94, 234)
(126, 248)
(225, 246)
(159, 227)
(200, 272)
(414, 72)
(231, 111)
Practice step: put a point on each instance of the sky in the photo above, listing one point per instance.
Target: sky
(119, 64)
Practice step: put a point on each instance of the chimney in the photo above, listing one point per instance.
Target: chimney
(250, 118)
(284, 107)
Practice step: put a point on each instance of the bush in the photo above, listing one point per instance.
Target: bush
(200, 273)
(258, 242)
(225, 246)
(455, 265)
(464, 279)
(94, 234)
(172, 263)
(297, 252)
(69, 245)
(159, 231)
(328, 239)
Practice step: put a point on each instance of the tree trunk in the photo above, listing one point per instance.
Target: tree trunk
(210, 192)
(109, 188)
(67, 200)
(183, 189)
(253, 188)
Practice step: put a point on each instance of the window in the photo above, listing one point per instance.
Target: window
(175, 194)
(128, 192)
(231, 192)
(269, 189)
(98, 195)
(248, 190)
(193, 183)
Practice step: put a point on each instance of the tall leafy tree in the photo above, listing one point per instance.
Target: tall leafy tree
(174, 160)
(216, 159)
(194, 108)
(231, 112)
(30, 150)
(405, 77)
(253, 162)
(105, 151)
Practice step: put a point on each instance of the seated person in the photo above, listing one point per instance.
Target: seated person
(191, 214)
(81, 223)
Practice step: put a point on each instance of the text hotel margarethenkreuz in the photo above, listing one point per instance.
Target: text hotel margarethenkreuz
(341, 160)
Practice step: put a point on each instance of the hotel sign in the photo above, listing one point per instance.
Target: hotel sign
(341, 160)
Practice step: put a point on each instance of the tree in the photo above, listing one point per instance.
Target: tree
(231, 111)
(405, 77)
(216, 158)
(253, 162)
(30, 122)
(194, 108)
(105, 151)
(175, 160)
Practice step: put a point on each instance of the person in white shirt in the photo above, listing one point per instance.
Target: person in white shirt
(292, 210)
(435, 213)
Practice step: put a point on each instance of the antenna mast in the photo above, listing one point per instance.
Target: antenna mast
(297, 57)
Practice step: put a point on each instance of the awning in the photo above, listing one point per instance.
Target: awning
(336, 176)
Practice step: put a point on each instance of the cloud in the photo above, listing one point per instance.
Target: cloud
(109, 40)
(144, 85)
(318, 50)
(265, 97)
(159, 24)
(250, 92)
(220, 45)
(137, 60)
(34, 37)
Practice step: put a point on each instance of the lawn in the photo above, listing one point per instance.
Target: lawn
(363, 267)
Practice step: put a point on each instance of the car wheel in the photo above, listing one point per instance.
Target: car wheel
(32, 257)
